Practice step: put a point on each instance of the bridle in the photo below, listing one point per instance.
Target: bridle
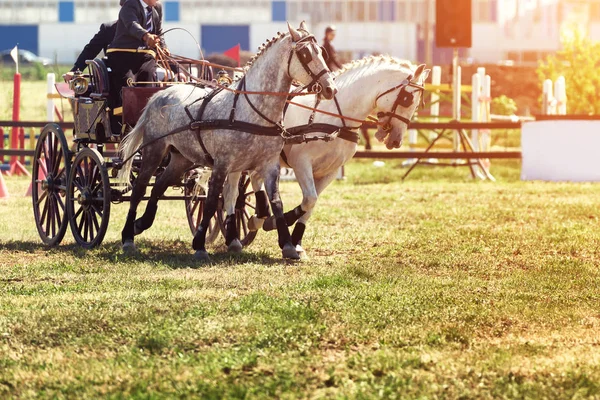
(404, 99)
(300, 49)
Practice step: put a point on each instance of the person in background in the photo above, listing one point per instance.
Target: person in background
(331, 56)
(99, 42)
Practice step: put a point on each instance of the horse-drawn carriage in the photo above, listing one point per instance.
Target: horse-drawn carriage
(75, 184)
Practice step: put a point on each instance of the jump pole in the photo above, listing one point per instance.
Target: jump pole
(15, 165)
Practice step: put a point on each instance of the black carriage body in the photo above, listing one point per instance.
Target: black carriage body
(92, 120)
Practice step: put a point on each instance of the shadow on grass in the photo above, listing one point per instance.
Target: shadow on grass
(175, 254)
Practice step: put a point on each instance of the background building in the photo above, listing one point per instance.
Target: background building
(519, 30)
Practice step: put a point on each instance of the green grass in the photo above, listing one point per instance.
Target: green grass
(438, 287)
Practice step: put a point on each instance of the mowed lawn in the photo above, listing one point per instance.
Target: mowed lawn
(438, 287)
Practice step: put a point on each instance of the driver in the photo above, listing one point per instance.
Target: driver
(131, 55)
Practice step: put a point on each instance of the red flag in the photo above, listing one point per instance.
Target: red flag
(234, 53)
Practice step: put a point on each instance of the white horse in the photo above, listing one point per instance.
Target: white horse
(384, 85)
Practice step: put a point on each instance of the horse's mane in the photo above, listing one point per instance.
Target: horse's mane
(374, 61)
(263, 48)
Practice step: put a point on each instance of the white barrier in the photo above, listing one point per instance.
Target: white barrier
(50, 80)
(554, 97)
(561, 150)
(481, 100)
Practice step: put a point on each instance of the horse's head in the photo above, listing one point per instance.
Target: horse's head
(306, 64)
(397, 105)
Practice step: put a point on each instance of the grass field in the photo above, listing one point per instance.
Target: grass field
(438, 287)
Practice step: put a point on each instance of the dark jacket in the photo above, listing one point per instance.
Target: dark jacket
(332, 61)
(99, 42)
(130, 26)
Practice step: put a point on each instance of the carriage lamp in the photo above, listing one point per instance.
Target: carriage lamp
(79, 85)
(223, 78)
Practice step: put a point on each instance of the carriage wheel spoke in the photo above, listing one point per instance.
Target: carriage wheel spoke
(42, 165)
(86, 172)
(90, 224)
(59, 201)
(80, 225)
(56, 163)
(51, 217)
(42, 197)
(47, 154)
(95, 220)
(244, 224)
(44, 212)
(194, 205)
(98, 211)
(250, 206)
(78, 213)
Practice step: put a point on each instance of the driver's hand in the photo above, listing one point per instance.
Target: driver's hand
(151, 40)
(69, 76)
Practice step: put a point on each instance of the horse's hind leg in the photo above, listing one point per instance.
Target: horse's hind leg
(215, 187)
(285, 239)
(172, 175)
(262, 204)
(230, 195)
(151, 159)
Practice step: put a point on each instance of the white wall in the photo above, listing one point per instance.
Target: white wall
(65, 40)
(394, 38)
(561, 151)
(180, 42)
(487, 43)
(260, 33)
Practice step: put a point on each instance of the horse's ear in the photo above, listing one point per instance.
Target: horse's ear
(303, 26)
(294, 33)
(419, 71)
(425, 75)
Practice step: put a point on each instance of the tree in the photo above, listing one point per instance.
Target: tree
(579, 63)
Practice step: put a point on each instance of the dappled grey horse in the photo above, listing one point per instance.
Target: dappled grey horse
(231, 132)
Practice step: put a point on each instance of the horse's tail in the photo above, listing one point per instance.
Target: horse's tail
(129, 145)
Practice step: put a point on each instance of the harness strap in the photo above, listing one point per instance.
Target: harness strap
(194, 126)
(337, 104)
(256, 110)
(235, 100)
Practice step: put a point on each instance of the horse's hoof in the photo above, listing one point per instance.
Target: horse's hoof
(255, 223)
(235, 246)
(289, 252)
(301, 252)
(270, 224)
(129, 247)
(137, 230)
(202, 255)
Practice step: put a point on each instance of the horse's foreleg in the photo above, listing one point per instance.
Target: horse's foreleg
(319, 185)
(215, 187)
(365, 134)
(285, 239)
(230, 195)
(151, 160)
(171, 175)
(304, 176)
